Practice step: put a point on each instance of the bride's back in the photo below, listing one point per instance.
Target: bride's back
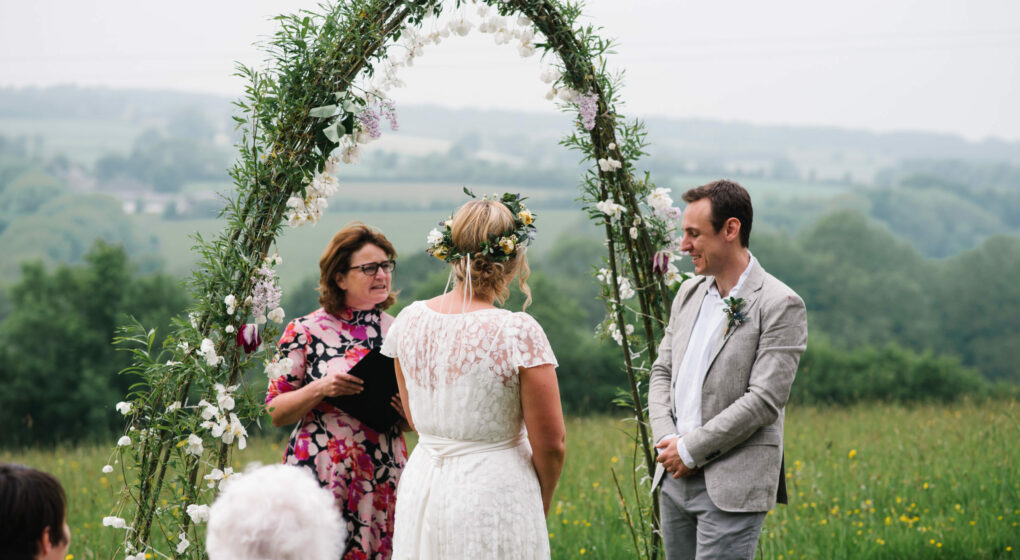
(461, 370)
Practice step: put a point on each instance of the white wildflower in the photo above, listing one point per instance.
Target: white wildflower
(659, 199)
(217, 475)
(184, 544)
(176, 405)
(550, 75)
(209, 410)
(115, 522)
(610, 208)
(626, 291)
(461, 26)
(124, 441)
(107, 469)
(230, 301)
(198, 513)
(229, 329)
(235, 430)
(194, 445)
(224, 397)
(609, 164)
(276, 315)
(208, 350)
(617, 335)
(124, 408)
(633, 233)
(350, 154)
(435, 236)
(331, 168)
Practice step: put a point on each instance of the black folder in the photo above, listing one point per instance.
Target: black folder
(372, 404)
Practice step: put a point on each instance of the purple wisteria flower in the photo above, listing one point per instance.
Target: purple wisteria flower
(266, 294)
(587, 105)
(370, 120)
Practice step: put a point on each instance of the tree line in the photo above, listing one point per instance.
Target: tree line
(885, 323)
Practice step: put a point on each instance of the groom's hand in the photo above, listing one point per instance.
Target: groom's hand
(670, 458)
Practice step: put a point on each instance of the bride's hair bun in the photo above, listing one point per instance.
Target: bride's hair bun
(473, 224)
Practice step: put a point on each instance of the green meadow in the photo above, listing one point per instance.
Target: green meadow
(870, 481)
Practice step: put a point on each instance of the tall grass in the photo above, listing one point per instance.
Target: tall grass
(870, 481)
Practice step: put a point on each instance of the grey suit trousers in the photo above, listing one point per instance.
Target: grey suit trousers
(694, 528)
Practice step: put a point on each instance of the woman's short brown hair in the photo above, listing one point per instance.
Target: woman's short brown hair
(473, 224)
(336, 259)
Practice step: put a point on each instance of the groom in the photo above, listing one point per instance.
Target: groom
(719, 386)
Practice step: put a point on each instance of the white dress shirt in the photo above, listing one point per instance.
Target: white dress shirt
(708, 328)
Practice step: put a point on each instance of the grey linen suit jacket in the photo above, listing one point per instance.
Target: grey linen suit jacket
(743, 399)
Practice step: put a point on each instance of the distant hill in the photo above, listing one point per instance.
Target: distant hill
(520, 133)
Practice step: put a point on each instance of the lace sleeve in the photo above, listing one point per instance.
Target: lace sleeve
(391, 343)
(530, 346)
(293, 345)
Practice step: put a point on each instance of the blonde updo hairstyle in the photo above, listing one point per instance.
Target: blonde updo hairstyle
(473, 224)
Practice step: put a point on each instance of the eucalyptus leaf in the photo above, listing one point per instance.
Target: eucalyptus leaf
(350, 105)
(323, 112)
(334, 131)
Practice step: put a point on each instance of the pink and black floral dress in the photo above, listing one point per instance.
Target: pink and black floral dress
(358, 464)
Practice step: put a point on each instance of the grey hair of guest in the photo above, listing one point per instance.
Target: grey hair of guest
(276, 512)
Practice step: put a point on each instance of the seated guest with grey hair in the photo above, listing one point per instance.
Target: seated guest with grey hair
(33, 515)
(277, 512)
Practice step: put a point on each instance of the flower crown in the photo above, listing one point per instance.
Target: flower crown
(498, 247)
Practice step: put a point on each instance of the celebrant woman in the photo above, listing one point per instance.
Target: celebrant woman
(358, 464)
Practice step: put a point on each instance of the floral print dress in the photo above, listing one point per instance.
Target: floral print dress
(358, 464)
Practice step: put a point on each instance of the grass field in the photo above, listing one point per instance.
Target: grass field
(872, 481)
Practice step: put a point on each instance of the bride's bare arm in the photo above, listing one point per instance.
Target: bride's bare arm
(403, 395)
(543, 416)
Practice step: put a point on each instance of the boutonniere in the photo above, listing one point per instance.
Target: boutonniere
(734, 313)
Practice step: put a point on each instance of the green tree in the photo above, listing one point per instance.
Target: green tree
(938, 222)
(978, 302)
(863, 285)
(58, 366)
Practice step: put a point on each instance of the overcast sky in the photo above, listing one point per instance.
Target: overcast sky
(932, 65)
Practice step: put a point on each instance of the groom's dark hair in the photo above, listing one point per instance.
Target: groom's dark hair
(729, 200)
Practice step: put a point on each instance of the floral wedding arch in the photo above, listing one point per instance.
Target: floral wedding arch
(322, 95)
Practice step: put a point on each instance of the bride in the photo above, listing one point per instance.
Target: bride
(478, 384)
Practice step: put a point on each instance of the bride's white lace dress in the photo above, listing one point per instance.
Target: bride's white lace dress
(469, 489)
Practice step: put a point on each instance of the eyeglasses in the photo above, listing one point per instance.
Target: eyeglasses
(371, 269)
